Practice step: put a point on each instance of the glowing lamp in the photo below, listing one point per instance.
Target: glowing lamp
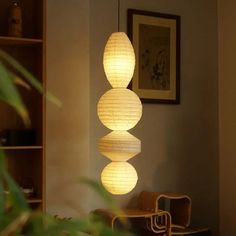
(119, 60)
(119, 146)
(119, 109)
(119, 177)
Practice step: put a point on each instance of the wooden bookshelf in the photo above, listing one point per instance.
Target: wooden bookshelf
(26, 162)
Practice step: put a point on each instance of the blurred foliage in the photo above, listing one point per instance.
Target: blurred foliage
(11, 74)
(16, 217)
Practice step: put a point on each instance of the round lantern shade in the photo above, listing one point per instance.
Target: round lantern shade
(119, 109)
(119, 60)
(119, 146)
(119, 177)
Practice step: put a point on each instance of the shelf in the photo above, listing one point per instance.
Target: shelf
(34, 200)
(26, 159)
(21, 147)
(4, 40)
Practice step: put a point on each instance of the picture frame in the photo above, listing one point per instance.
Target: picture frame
(156, 41)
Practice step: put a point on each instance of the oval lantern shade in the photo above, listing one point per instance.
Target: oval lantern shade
(119, 109)
(119, 146)
(119, 177)
(119, 60)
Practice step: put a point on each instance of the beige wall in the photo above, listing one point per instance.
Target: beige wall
(227, 115)
(67, 127)
(179, 142)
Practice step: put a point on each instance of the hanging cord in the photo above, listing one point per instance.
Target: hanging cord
(118, 16)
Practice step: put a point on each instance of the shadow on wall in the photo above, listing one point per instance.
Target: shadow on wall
(189, 167)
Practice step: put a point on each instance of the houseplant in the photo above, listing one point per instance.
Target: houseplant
(16, 217)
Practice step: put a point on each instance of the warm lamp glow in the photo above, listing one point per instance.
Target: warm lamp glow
(119, 60)
(119, 146)
(119, 109)
(119, 177)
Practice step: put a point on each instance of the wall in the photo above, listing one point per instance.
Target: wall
(227, 114)
(179, 143)
(68, 126)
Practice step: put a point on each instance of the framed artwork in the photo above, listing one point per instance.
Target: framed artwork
(156, 41)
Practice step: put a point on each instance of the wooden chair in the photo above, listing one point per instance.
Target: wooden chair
(156, 222)
(144, 216)
(179, 207)
(160, 213)
(160, 223)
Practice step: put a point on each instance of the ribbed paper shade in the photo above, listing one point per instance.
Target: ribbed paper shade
(119, 177)
(119, 146)
(119, 60)
(119, 109)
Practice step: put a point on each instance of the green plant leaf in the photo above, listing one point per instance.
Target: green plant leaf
(10, 95)
(16, 196)
(28, 76)
(16, 225)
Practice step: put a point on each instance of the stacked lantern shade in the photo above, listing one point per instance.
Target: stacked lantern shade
(119, 109)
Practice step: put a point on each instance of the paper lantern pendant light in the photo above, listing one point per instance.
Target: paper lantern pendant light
(119, 177)
(119, 60)
(119, 146)
(119, 109)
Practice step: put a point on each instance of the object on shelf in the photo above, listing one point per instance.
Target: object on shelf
(27, 187)
(18, 137)
(15, 20)
(28, 192)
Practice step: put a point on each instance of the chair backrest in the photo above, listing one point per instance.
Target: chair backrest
(178, 205)
(147, 201)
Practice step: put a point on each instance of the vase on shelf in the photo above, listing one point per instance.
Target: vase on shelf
(15, 20)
